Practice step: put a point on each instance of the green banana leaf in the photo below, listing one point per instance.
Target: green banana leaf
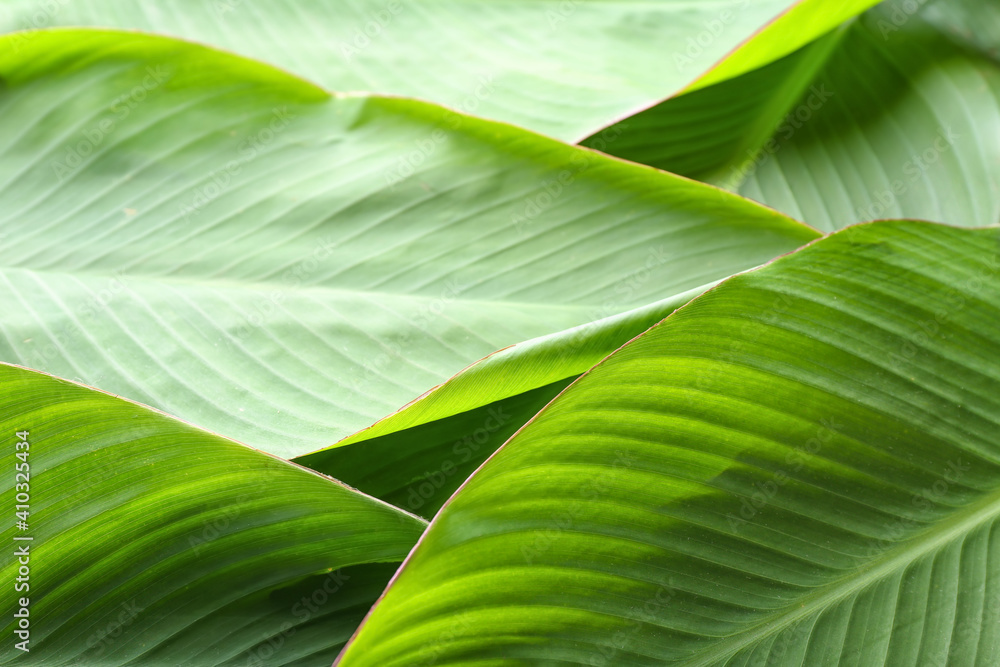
(418, 468)
(418, 456)
(561, 67)
(709, 133)
(146, 540)
(800, 467)
(969, 22)
(889, 117)
(226, 243)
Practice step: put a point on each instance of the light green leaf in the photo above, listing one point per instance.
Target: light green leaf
(221, 241)
(888, 119)
(800, 467)
(561, 67)
(153, 542)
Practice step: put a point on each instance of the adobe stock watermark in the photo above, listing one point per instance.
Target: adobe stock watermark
(215, 528)
(964, 634)
(304, 609)
(786, 640)
(924, 500)
(432, 649)
(264, 309)
(956, 300)
(766, 490)
(627, 288)
(223, 7)
(712, 29)
(650, 612)
(120, 109)
(902, 12)
(561, 13)
(106, 468)
(94, 306)
(914, 169)
(550, 190)
(373, 28)
(220, 180)
(222, 518)
(750, 333)
(393, 349)
(463, 451)
(427, 146)
(593, 488)
(101, 640)
(42, 17)
(794, 121)
(625, 291)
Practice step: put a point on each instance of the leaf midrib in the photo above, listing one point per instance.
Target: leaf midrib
(267, 287)
(961, 523)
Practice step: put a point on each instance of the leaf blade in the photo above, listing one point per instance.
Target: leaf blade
(563, 69)
(276, 271)
(744, 481)
(155, 540)
(869, 123)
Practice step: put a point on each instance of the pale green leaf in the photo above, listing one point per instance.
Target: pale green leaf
(226, 243)
(561, 67)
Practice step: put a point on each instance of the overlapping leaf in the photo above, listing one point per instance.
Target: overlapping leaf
(968, 22)
(889, 118)
(153, 542)
(708, 133)
(415, 458)
(226, 243)
(561, 67)
(800, 467)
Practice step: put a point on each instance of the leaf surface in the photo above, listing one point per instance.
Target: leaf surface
(219, 240)
(154, 542)
(560, 67)
(800, 467)
(896, 115)
(418, 456)
(968, 22)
